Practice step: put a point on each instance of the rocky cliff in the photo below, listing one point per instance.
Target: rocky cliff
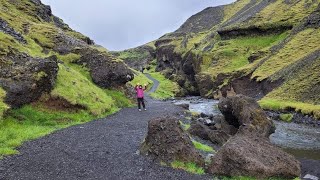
(266, 49)
(43, 59)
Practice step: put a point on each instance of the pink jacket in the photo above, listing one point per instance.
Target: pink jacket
(140, 92)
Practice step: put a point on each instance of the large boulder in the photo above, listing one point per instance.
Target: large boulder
(25, 78)
(204, 132)
(245, 114)
(166, 141)
(255, 157)
(106, 71)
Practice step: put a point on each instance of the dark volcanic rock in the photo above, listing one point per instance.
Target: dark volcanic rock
(203, 20)
(246, 114)
(254, 157)
(167, 142)
(6, 28)
(218, 137)
(204, 132)
(105, 71)
(25, 78)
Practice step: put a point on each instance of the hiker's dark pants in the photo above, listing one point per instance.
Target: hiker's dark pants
(141, 101)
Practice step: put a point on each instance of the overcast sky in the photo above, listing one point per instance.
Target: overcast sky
(122, 24)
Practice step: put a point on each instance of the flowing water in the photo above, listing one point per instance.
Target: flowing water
(300, 140)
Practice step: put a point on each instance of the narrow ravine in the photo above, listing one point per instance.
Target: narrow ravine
(102, 149)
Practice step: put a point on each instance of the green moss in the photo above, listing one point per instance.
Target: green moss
(231, 9)
(30, 122)
(202, 147)
(189, 167)
(286, 117)
(166, 88)
(3, 106)
(231, 55)
(69, 58)
(120, 99)
(140, 78)
(44, 34)
(278, 104)
(298, 47)
(185, 126)
(78, 90)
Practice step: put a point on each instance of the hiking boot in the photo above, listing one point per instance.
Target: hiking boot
(139, 109)
(145, 109)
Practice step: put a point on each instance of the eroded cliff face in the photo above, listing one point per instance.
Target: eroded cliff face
(35, 44)
(258, 48)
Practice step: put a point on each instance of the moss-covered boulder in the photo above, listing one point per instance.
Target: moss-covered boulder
(106, 71)
(25, 78)
(166, 141)
(245, 114)
(256, 157)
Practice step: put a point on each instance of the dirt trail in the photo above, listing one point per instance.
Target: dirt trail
(101, 149)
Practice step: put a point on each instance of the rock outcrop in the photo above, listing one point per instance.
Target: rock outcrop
(245, 114)
(105, 70)
(25, 78)
(249, 152)
(244, 155)
(166, 141)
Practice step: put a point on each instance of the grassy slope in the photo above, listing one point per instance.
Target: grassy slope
(74, 83)
(231, 56)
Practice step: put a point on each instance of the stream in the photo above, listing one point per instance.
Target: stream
(300, 140)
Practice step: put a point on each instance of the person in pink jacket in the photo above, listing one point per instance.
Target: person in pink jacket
(140, 96)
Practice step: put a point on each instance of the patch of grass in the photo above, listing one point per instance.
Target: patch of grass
(166, 88)
(202, 147)
(44, 34)
(304, 108)
(286, 117)
(3, 106)
(30, 122)
(189, 167)
(140, 78)
(69, 58)
(120, 99)
(244, 178)
(185, 126)
(78, 90)
(231, 55)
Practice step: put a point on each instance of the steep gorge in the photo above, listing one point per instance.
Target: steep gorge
(268, 50)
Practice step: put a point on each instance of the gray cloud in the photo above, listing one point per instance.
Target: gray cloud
(122, 24)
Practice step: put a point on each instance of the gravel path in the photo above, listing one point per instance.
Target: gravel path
(101, 149)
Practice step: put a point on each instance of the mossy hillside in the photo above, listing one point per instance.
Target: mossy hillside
(78, 90)
(141, 79)
(231, 9)
(276, 14)
(299, 46)
(3, 106)
(284, 13)
(232, 55)
(166, 89)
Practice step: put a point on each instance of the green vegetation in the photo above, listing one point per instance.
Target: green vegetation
(3, 106)
(185, 126)
(202, 147)
(31, 122)
(231, 55)
(298, 47)
(304, 108)
(189, 167)
(286, 117)
(166, 88)
(78, 90)
(140, 78)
